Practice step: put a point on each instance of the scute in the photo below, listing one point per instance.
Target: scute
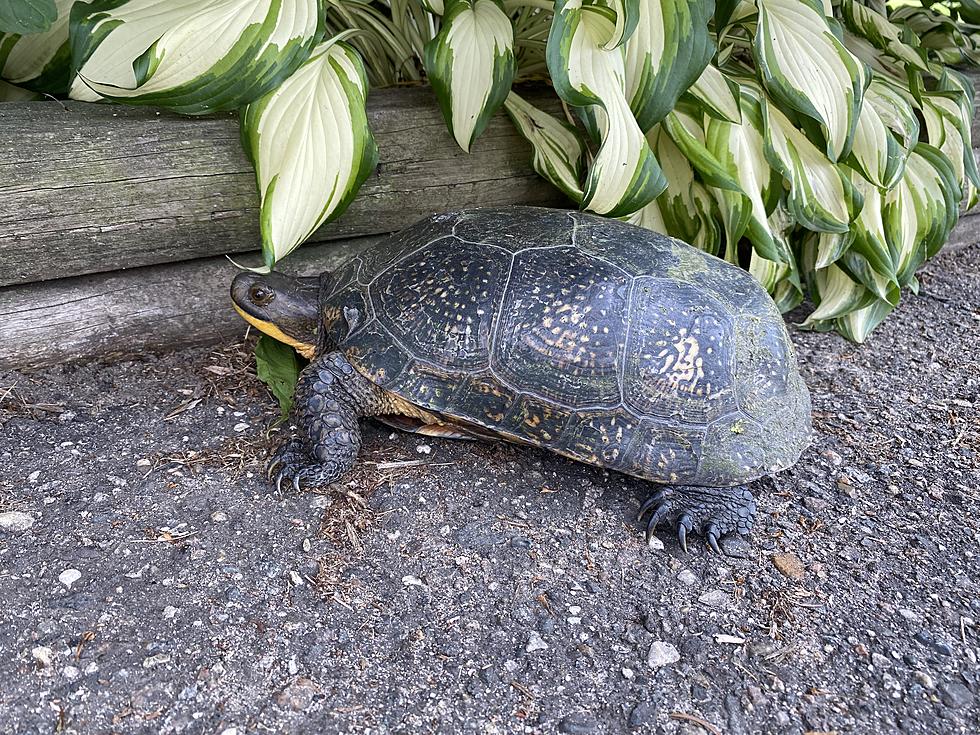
(559, 334)
(680, 366)
(441, 300)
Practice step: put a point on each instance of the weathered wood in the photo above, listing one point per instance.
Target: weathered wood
(155, 307)
(87, 188)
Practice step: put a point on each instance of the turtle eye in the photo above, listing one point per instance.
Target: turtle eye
(260, 295)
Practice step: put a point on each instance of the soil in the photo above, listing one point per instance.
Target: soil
(151, 582)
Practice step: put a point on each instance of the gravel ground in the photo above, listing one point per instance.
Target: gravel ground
(151, 582)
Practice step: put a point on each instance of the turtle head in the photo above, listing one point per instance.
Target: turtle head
(283, 307)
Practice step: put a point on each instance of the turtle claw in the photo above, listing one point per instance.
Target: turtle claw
(710, 512)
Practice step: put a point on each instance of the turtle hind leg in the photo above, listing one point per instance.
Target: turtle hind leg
(711, 512)
(330, 397)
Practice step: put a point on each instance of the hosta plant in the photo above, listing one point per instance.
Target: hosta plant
(824, 145)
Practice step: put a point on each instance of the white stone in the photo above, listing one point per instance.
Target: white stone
(687, 577)
(14, 521)
(69, 577)
(662, 654)
(535, 643)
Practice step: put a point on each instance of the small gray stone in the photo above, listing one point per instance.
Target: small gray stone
(715, 598)
(736, 547)
(687, 577)
(580, 723)
(925, 680)
(69, 577)
(14, 521)
(535, 642)
(644, 715)
(662, 654)
(955, 695)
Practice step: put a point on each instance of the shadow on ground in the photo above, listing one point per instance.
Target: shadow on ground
(152, 583)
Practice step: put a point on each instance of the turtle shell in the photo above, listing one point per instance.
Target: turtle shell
(599, 340)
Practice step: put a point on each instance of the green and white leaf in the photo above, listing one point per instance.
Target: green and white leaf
(740, 148)
(880, 64)
(948, 125)
(311, 145)
(627, 16)
(666, 54)
(835, 294)
(921, 210)
(192, 57)
(881, 33)
(687, 208)
(805, 67)
(858, 324)
(716, 94)
(624, 175)
(868, 229)
(876, 152)
(829, 246)
(277, 367)
(558, 148)
(687, 134)
(781, 280)
(820, 196)
(39, 61)
(470, 65)
(896, 109)
(27, 16)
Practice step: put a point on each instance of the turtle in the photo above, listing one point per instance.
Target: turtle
(599, 340)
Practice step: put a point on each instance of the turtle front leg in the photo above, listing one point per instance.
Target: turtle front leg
(330, 397)
(711, 512)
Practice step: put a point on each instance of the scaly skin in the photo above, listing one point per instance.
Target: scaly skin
(710, 511)
(330, 397)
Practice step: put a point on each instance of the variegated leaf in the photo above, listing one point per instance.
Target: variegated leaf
(688, 210)
(558, 148)
(624, 176)
(740, 148)
(876, 152)
(835, 294)
(687, 134)
(716, 94)
(948, 123)
(11, 93)
(921, 210)
(805, 67)
(311, 145)
(39, 61)
(192, 57)
(627, 16)
(881, 33)
(666, 54)
(470, 65)
(820, 196)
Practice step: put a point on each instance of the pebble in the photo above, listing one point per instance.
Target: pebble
(240, 427)
(143, 462)
(156, 660)
(955, 695)
(219, 516)
(789, 565)
(644, 715)
(662, 654)
(69, 577)
(43, 655)
(655, 544)
(925, 680)
(423, 449)
(581, 723)
(926, 638)
(168, 612)
(15, 522)
(815, 505)
(715, 598)
(298, 695)
(736, 547)
(687, 577)
(535, 643)
(409, 581)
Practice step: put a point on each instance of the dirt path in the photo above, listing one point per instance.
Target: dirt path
(461, 587)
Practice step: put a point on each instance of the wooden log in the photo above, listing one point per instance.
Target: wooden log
(156, 307)
(87, 188)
